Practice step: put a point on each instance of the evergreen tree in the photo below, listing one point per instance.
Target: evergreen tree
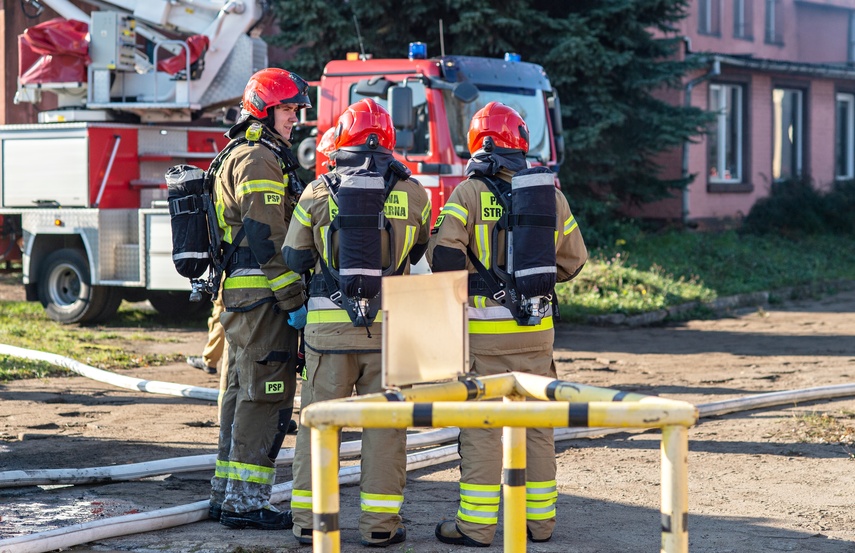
(602, 56)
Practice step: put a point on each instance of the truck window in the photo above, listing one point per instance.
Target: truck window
(528, 102)
(421, 134)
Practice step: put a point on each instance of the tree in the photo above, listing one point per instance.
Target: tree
(603, 57)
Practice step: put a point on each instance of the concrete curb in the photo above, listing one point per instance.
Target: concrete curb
(721, 306)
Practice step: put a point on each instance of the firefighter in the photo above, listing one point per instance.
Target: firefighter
(505, 203)
(365, 219)
(255, 191)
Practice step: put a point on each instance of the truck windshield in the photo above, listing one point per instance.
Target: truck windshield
(528, 102)
(421, 132)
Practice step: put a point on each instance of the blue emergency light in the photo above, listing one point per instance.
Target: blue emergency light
(418, 51)
(512, 57)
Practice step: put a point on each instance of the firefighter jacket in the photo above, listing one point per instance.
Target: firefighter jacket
(310, 242)
(252, 194)
(466, 222)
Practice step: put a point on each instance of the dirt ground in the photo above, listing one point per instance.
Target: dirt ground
(755, 484)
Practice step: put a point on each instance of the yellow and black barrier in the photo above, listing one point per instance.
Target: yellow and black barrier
(566, 404)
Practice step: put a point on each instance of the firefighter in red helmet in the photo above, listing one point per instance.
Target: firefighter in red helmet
(364, 220)
(504, 203)
(254, 193)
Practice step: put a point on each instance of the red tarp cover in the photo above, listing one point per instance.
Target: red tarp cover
(56, 51)
(198, 45)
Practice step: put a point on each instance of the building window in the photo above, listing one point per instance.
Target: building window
(743, 19)
(708, 17)
(774, 22)
(786, 133)
(844, 152)
(725, 141)
(852, 37)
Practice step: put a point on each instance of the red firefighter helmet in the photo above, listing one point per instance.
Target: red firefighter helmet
(365, 126)
(271, 87)
(326, 145)
(502, 125)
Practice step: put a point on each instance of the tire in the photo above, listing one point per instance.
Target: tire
(111, 305)
(65, 289)
(178, 304)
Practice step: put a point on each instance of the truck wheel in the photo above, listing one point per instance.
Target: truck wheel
(65, 288)
(113, 298)
(178, 304)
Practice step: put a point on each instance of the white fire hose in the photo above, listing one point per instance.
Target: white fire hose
(77, 534)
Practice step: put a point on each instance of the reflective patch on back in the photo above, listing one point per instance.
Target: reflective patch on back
(491, 209)
(397, 205)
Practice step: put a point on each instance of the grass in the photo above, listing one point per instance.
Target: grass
(25, 325)
(825, 428)
(654, 271)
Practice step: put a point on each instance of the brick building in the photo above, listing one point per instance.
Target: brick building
(781, 76)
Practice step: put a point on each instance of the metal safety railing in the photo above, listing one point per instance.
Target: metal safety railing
(563, 404)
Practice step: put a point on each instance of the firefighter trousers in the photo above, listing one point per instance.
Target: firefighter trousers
(481, 461)
(256, 408)
(384, 451)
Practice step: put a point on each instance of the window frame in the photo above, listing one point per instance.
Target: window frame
(848, 98)
(774, 22)
(720, 136)
(709, 17)
(743, 19)
(851, 43)
(798, 141)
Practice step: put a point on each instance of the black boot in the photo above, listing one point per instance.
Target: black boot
(260, 519)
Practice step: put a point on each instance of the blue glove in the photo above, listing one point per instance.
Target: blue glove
(297, 318)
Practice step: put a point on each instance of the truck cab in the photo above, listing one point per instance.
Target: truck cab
(432, 102)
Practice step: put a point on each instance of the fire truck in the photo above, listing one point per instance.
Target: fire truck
(83, 194)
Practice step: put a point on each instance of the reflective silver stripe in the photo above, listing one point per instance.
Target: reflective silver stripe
(362, 271)
(365, 183)
(532, 490)
(317, 304)
(534, 179)
(535, 271)
(496, 313)
(540, 510)
(476, 493)
(190, 255)
(247, 272)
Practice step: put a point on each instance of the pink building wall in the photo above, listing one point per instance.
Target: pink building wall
(814, 32)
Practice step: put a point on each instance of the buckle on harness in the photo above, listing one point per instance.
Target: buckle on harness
(498, 296)
(336, 296)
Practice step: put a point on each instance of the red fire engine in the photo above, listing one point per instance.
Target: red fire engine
(82, 192)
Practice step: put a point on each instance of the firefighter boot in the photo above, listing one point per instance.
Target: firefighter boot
(266, 518)
(448, 532)
(199, 363)
(386, 539)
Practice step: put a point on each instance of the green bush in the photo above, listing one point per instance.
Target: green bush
(796, 208)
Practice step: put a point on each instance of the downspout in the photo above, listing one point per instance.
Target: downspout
(715, 69)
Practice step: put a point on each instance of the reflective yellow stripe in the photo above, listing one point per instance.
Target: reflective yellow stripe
(246, 282)
(221, 221)
(261, 185)
(457, 211)
(301, 499)
(426, 213)
(541, 491)
(324, 241)
(283, 280)
(506, 327)
(479, 301)
(479, 514)
(221, 469)
(302, 216)
(482, 243)
(480, 494)
(408, 243)
(379, 503)
(539, 511)
(570, 225)
(333, 316)
(247, 473)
